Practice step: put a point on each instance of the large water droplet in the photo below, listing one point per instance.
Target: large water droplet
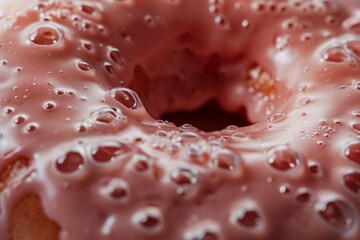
(352, 152)
(127, 97)
(336, 213)
(226, 160)
(141, 163)
(335, 54)
(183, 177)
(70, 162)
(108, 152)
(45, 35)
(107, 116)
(352, 181)
(84, 66)
(282, 158)
(277, 117)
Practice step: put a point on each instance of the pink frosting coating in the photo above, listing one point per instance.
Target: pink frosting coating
(105, 169)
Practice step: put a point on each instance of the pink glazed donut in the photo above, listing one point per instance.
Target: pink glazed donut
(86, 154)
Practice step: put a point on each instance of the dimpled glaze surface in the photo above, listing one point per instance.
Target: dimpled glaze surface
(75, 135)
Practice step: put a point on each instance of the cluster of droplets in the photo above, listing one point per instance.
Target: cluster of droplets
(21, 120)
(101, 154)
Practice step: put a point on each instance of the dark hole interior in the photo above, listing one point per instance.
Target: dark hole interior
(210, 117)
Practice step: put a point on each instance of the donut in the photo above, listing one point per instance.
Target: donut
(86, 151)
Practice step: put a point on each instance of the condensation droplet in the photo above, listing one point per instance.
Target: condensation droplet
(303, 195)
(335, 54)
(183, 177)
(127, 97)
(336, 213)
(70, 162)
(277, 117)
(353, 47)
(116, 189)
(149, 219)
(108, 152)
(352, 152)
(84, 66)
(116, 57)
(19, 120)
(246, 217)
(49, 106)
(141, 163)
(282, 158)
(226, 160)
(352, 181)
(45, 35)
(107, 116)
(88, 9)
(31, 127)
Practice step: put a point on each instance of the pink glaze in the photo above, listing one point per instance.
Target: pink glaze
(105, 169)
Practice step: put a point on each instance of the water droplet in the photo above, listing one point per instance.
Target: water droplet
(282, 158)
(149, 219)
(19, 120)
(116, 189)
(189, 135)
(109, 68)
(107, 116)
(8, 110)
(356, 126)
(116, 57)
(87, 45)
(285, 189)
(183, 177)
(108, 152)
(127, 97)
(336, 213)
(352, 181)
(226, 160)
(84, 66)
(88, 9)
(31, 127)
(354, 47)
(247, 217)
(314, 168)
(303, 195)
(141, 163)
(49, 105)
(335, 54)
(221, 21)
(149, 20)
(277, 117)
(356, 85)
(70, 162)
(193, 151)
(352, 152)
(202, 234)
(45, 35)
(60, 91)
(356, 114)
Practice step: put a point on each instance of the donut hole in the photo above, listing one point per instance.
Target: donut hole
(209, 117)
(200, 91)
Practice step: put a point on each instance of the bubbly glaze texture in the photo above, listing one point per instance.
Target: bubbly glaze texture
(103, 168)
